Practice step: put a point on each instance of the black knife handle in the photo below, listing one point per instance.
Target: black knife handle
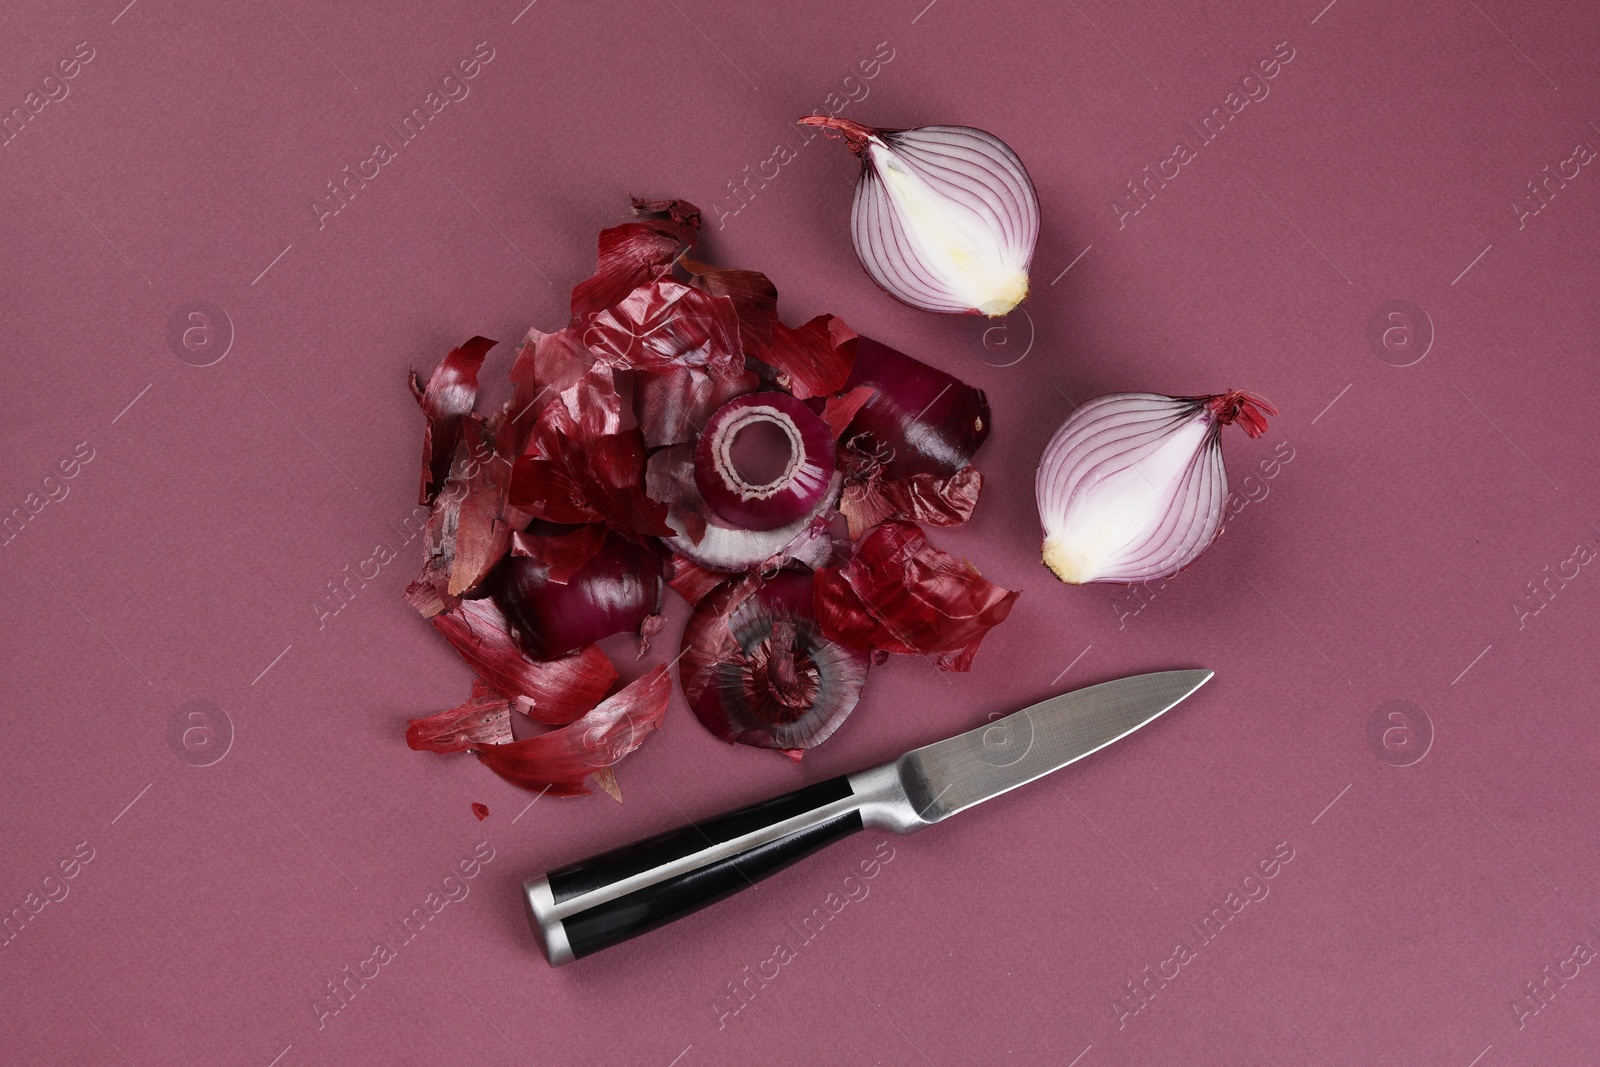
(607, 899)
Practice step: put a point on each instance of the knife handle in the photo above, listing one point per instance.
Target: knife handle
(584, 907)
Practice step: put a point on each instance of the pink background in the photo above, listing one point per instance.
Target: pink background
(1382, 562)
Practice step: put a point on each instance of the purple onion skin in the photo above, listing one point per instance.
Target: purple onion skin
(610, 594)
(812, 456)
(933, 422)
(722, 666)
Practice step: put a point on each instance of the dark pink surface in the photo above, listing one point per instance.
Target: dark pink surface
(1382, 562)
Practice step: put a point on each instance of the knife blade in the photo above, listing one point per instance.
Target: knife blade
(587, 906)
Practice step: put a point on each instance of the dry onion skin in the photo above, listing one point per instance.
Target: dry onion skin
(945, 217)
(758, 670)
(1132, 486)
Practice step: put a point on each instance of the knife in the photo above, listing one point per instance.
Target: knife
(607, 899)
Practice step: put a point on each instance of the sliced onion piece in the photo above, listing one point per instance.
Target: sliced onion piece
(1132, 486)
(945, 217)
(757, 670)
(764, 491)
(613, 592)
(924, 420)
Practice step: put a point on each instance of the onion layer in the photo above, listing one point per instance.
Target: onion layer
(792, 492)
(1132, 487)
(614, 591)
(929, 422)
(707, 541)
(945, 217)
(757, 670)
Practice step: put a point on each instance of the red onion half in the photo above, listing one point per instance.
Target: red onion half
(945, 217)
(764, 491)
(1132, 487)
(757, 670)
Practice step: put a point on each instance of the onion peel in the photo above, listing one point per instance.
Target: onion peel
(557, 762)
(813, 359)
(692, 581)
(556, 691)
(484, 718)
(901, 594)
(595, 481)
(838, 411)
(636, 253)
(448, 398)
(869, 498)
(561, 554)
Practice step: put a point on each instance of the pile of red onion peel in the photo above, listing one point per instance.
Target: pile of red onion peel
(623, 461)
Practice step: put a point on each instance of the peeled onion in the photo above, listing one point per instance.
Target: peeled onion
(1131, 488)
(945, 217)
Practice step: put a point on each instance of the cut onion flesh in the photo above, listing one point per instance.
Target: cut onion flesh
(945, 217)
(1132, 487)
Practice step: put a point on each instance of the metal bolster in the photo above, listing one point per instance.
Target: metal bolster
(889, 797)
